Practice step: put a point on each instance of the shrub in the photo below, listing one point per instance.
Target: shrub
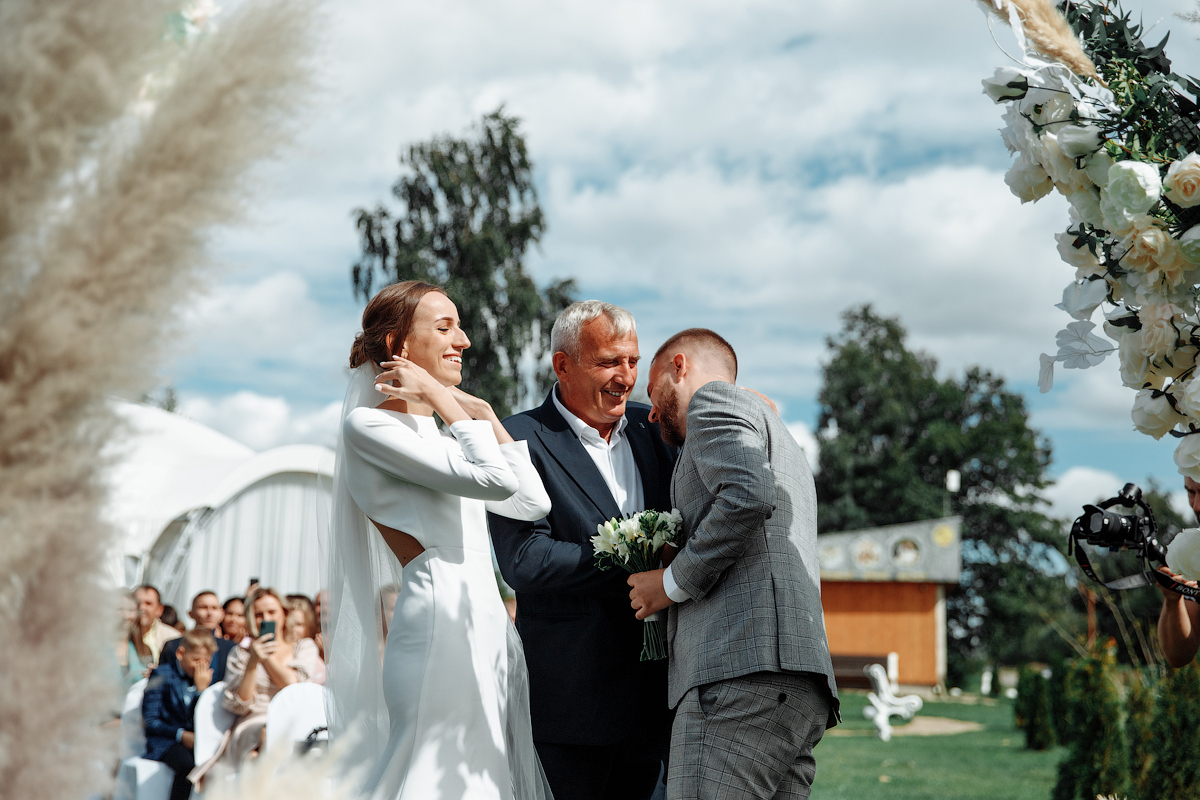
(1174, 772)
(1097, 762)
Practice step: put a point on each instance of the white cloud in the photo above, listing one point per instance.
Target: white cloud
(263, 422)
(1077, 486)
(1089, 399)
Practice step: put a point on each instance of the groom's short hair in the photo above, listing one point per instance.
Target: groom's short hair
(567, 333)
(705, 345)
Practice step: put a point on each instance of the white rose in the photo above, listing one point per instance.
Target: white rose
(1135, 367)
(1152, 415)
(1078, 257)
(1097, 166)
(1189, 244)
(1117, 218)
(1006, 84)
(1027, 179)
(1079, 140)
(1045, 106)
(1151, 251)
(1183, 181)
(1060, 167)
(1187, 456)
(1134, 185)
(1159, 333)
(1085, 203)
(1183, 554)
(1188, 398)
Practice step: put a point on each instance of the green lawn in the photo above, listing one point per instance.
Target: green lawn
(992, 763)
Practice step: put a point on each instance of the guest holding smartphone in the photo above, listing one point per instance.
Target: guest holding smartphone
(256, 673)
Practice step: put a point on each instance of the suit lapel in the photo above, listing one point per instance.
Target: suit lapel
(646, 459)
(561, 443)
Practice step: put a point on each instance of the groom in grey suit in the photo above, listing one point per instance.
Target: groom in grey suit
(749, 674)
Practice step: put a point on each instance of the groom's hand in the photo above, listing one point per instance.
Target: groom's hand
(648, 594)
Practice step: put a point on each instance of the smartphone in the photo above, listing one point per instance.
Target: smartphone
(268, 626)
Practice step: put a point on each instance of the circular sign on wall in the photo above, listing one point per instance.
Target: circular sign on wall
(867, 553)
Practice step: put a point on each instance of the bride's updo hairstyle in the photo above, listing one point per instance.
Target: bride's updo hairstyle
(389, 312)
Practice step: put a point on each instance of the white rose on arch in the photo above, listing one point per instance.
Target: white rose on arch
(1189, 244)
(1085, 206)
(1079, 140)
(1061, 168)
(1134, 185)
(1152, 415)
(1097, 166)
(1182, 186)
(1159, 333)
(1027, 180)
(1187, 456)
(1079, 257)
(1135, 367)
(1006, 84)
(1117, 218)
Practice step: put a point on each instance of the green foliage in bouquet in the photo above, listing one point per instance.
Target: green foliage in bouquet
(1174, 773)
(1097, 762)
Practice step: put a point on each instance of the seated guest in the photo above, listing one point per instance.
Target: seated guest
(169, 704)
(321, 607)
(207, 613)
(171, 617)
(302, 624)
(256, 673)
(133, 656)
(233, 626)
(151, 630)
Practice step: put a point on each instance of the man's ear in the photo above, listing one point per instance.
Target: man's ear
(680, 362)
(559, 362)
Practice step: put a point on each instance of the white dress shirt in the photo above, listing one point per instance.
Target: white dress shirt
(613, 458)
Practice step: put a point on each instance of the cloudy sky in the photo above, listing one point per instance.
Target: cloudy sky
(755, 167)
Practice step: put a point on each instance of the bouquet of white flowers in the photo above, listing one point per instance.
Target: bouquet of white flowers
(633, 545)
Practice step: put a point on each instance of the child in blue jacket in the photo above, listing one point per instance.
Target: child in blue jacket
(169, 705)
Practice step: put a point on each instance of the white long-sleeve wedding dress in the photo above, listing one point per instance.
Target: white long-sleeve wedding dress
(453, 678)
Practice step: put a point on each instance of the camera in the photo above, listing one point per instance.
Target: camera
(1132, 527)
(1132, 530)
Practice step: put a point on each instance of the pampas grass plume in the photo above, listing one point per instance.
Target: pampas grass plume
(279, 774)
(1048, 31)
(102, 225)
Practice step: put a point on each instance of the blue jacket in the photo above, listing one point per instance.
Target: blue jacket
(168, 706)
(219, 659)
(587, 684)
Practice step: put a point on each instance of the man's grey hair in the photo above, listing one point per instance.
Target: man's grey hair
(568, 328)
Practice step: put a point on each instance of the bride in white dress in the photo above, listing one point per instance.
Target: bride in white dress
(447, 716)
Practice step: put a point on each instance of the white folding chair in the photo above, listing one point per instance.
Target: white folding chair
(139, 778)
(296, 712)
(211, 720)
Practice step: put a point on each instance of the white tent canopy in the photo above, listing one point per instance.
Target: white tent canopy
(197, 510)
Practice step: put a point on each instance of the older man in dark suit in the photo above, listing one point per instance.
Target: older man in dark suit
(600, 717)
(750, 675)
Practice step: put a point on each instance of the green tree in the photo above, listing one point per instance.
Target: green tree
(1139, 728)
(468, 213)
(1032, 712)
(1097, 762)
(1174, 773)
(890, 429)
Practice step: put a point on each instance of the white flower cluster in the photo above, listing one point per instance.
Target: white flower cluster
(634, 542)
(1183, 555)
(1119, 243)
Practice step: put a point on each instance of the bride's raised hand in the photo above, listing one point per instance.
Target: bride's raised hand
(414, 384)
(476, 407)
(482, 410)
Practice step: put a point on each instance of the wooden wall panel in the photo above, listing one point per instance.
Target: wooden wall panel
(863, 618)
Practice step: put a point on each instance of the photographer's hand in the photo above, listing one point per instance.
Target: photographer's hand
(1178, 624)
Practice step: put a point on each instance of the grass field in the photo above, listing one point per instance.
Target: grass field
(992, 763)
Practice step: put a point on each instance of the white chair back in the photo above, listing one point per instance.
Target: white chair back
(295, 712)
(133, 736)
(211, 720)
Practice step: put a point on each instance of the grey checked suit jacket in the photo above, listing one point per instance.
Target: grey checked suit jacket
(749, 562)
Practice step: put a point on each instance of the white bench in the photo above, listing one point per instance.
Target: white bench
(885, 704)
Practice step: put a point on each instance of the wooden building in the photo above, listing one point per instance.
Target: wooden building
(883, 590)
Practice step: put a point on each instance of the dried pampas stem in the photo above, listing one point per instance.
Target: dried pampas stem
(1048, 31)
(89, 291)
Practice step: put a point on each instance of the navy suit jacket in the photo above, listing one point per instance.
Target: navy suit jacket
(582, 642)
(224, 648)
(168, 705)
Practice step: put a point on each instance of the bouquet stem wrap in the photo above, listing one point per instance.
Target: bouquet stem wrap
(633, 544)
